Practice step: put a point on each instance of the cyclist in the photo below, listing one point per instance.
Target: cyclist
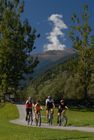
(38, 109)
(49, 105)
(29, 105)
(61, 108)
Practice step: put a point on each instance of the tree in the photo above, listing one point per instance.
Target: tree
(83, 42)
(16, 44)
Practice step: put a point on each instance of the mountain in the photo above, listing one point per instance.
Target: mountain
(50, 58)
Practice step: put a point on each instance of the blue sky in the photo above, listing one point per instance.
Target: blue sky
(51, 18)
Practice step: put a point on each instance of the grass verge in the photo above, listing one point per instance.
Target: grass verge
(10, 131)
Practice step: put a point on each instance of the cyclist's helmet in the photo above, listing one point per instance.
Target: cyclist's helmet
(29, 98)
(49, 97)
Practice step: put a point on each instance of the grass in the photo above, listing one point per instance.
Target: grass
(8, 112)
(76, 117)
(10, 131)
(80, 117)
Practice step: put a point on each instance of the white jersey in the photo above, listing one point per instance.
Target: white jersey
(48, 100)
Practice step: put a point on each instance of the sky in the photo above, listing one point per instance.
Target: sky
(51, 19)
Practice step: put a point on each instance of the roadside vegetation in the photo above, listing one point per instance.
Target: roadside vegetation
(17, 40)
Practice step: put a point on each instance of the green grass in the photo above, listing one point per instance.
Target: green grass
(10, 131)
(76, 117)
(80, 117)
(8, 112)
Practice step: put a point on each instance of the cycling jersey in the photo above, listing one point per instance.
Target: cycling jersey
(37, 107)
(61, 107)
(49, 104)
(28, 104)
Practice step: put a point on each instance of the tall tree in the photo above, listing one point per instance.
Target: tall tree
(83, 42)
(16, 44)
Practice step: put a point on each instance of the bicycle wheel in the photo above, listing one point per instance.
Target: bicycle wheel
(36, 121)
(50, 117)
(30, 118)
(64, 121)
(39, 119)
(59, 120)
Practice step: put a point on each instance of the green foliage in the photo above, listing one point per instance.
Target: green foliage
(61, 80)
(83, 41)
(16, 44)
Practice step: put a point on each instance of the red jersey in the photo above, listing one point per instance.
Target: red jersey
(37, 107)
(28, 104)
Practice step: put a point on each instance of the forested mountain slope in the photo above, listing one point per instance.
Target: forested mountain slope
(50, 58)
(62, 79)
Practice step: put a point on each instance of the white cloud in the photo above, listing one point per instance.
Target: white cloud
(53, 36)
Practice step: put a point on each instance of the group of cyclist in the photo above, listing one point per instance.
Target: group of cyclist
(29, 105)
(49, 104)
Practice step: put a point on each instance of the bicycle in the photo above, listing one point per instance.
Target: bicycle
(62, 119)
(30, 118)
(38, 119)
(50, 116)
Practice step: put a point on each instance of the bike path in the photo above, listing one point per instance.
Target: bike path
(21, 121)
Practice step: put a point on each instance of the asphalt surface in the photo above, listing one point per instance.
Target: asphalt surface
(21, 121)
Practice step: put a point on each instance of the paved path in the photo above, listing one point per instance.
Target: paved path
(21, 121)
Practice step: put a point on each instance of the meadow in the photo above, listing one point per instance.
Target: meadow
(76, 116)
(10, 131)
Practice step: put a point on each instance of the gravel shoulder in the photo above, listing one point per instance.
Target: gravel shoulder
(21, 121)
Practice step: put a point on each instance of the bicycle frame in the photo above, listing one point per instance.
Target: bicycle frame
(62, 119)
(38, 119)
(50, 116)
(30, 118)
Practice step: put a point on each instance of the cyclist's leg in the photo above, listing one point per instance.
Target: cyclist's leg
(58, 114)
(39, 118)
(36, 117)
(28, 116)
(59, 119)
(27, 112)
(64, 117)
(52, 110)
(47, 114)
(31, 115)
(64, 112)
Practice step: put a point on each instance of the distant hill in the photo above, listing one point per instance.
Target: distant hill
(50, 58)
